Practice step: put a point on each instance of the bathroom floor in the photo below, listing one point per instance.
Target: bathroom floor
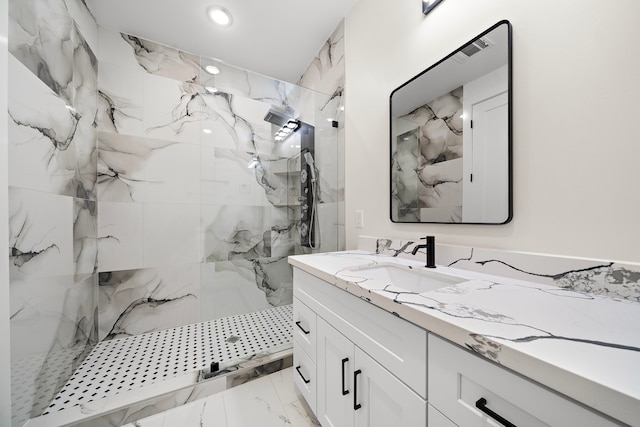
(268, 401)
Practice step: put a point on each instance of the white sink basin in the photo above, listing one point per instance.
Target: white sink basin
(408, 279)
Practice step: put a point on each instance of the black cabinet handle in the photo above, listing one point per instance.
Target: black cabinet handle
(306, 381)
(356, 405)
(482, 405)
(302, 329)
(344, 361)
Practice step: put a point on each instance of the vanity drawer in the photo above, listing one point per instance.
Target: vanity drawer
(397, 345)
(304, 328)
(459, 380)
(304, 375)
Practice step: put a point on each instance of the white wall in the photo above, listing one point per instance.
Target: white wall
(5, 382)
(575, 103)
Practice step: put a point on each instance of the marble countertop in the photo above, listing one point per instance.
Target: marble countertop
(584, 346)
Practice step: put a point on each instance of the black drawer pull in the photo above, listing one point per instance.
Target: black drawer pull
(482, 405)
(302, 329)
(356, 405)
(306, 381)
(344, 361)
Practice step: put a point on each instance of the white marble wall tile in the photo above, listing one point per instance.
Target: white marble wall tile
(84, 20)
(229, 288)
(51, 313)
(172, 109)
(120, 236)
(115, 50)
(121, 99)
(171, 234)
(85, 78)
(138, 301)
(231, 232)
(163, 60)
(52, 143)
(85, 237)
(172, 174)
(327, 226)
(326, 71)
(237, 81)
(236, 122)
(40, 234)
(226, 178)
(147, 170)
(41, 131)
(326, 153)
(85, 104)
(285, 232)
(121, 164)
(46, 50)
(53, 328)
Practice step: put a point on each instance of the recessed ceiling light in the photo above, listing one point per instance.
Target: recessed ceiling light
(212, 69)
(219, 15)
(207, 131)
(210, 89)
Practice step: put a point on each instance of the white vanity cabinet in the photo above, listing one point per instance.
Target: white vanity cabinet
(359, 365)
(355, 390)
(459, 381)
(369, 365)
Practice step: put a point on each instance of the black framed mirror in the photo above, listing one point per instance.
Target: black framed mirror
(451, 137)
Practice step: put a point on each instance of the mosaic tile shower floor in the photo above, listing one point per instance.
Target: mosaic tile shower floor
(125, 364)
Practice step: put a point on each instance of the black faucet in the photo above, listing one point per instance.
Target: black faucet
(430, 246)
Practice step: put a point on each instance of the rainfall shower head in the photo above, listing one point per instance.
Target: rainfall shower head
(276, 117)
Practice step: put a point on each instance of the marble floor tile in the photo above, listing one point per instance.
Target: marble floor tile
(300, 414)
(203, 412)
(253, 404)
(267, 401)
(283, 383)
(157, 420)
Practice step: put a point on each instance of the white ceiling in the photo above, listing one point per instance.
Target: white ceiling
(277, 38)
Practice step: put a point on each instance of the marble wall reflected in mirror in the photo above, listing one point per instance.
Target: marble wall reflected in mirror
(451, 137)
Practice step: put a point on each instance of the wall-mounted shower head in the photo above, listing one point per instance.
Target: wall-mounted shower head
(277, 117)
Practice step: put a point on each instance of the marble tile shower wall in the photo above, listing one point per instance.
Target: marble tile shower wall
(187, 232)
(326, 74)
(131, 205)
(53, 74)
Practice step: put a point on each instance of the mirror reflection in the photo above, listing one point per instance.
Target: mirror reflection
(451, 138)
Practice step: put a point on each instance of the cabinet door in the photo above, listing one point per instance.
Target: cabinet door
(381, 399)
(334, 367)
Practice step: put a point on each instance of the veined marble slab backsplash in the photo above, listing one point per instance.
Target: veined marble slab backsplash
(601, 277)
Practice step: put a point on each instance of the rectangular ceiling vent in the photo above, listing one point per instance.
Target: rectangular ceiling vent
(472, 49)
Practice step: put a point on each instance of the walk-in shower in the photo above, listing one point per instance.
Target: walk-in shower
(149, 263)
